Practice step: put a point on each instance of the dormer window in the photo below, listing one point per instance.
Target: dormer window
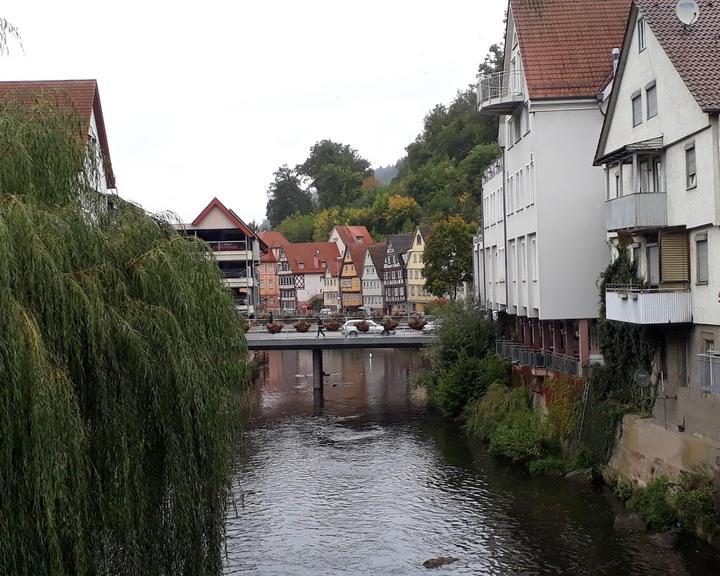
(301, 265)
(641, 35)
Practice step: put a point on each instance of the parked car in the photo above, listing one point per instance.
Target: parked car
(432, 327)
(365, 311)
(326, 312)
(350, 328)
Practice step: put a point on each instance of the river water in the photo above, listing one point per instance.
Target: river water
(369, 481)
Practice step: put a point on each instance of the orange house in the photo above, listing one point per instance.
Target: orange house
(268, 270)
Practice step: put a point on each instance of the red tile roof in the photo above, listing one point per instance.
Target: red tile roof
(273, 239)
(354, 234)
(80, 96)
(694, 50)
(311, 256)
(566, 45)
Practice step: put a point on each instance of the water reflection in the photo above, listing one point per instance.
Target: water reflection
(370, 483)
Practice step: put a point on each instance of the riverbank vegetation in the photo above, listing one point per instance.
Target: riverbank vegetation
(122, 362)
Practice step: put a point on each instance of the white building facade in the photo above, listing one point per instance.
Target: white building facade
(660, 150)
(542, 245)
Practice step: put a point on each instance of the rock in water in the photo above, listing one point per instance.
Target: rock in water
(439, 561)
(584, 476)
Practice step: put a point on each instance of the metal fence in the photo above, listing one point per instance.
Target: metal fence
(500, 86)
(521, 354)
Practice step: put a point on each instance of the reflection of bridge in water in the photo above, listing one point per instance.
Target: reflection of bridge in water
(334, 341)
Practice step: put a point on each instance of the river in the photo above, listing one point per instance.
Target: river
(369, 481)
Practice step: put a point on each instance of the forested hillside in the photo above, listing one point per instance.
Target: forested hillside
(440, 176)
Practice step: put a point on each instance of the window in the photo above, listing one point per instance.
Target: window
(510, 132)
(658, 175)
(653, 264)
(637, 109)
(690, 168)
(521, 189)
(517, 129)
(641, 35)
(533, 258)
(523, 261)
(513, 261)
(701, 258)
(645, 177)
(651, 100)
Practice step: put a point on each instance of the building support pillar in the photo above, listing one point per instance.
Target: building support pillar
(318, 370)
(584, 344)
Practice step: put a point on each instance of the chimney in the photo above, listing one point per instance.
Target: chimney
(316, 259)
(615, 58)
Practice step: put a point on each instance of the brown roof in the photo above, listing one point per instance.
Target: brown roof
(354, 235)
(311, 255)
(273, 239)
(566, 45)
(694, 50)
(80, 96)
(357, 255)
(401, 242)
(377, 255)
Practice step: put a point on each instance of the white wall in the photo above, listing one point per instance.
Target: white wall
(572, 247)
(313, 287)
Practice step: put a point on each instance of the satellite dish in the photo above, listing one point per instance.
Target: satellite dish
(687, 11)
(642, 378)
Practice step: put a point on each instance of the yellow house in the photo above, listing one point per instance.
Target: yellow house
(418, 297)
(351, 295)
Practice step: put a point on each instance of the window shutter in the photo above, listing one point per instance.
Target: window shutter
(674, 265)
(701, 248)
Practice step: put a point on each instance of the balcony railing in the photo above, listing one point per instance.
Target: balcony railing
(637, 305)
(647, 210)
(501, 92)
(521, 354)
(229, 246)
(709, 372)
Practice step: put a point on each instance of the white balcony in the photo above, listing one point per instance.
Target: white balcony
(501, 92)
(647, 210)
(648, 306)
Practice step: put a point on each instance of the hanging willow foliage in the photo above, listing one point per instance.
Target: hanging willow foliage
(122, 362)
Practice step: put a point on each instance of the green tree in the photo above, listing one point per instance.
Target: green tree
(448, 256)
(122, 362)
(337, 173)
(286, 196)
(298, 227)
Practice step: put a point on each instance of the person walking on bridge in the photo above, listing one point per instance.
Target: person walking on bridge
(320, 327)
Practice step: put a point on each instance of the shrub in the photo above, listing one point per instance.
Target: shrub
(416, 323)
(332, 325)
(302, 325)
(547, 465)
(494, 408)
(520, 437)
(362, 326)
(653, 504)
(455, 386)
(563, 405)
(275, 327)
(694, 500)
(389, 324)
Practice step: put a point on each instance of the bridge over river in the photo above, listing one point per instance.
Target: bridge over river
(334, 341)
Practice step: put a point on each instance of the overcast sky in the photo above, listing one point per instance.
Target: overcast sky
(208, 98)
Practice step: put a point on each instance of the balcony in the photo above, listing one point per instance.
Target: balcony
(648, 305)
(709, 372)
(645, 210)
(541, 359)
(501, 92)
(229, 246)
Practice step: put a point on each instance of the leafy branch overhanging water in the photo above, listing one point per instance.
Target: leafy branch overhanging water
(121, 364)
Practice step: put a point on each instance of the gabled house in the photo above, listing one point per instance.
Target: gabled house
(301, 272)
(418, 296)
(395, 273)
(351, 273)
(659, 149)
(331, 285)
(373, 278)
(237, 250)
(543, 241)
(81, 97)
(268, 270)
(344, 236)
